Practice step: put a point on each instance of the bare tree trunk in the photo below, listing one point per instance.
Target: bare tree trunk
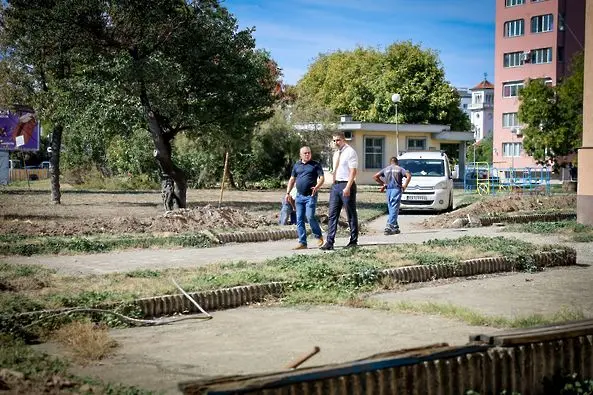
(173, 180)
(54, 169)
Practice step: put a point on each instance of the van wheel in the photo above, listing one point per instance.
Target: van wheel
(450, 208)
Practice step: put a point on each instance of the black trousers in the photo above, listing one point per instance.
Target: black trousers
(337, 200)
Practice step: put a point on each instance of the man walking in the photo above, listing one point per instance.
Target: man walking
(390, 179)
(343, 192)
(308, 176)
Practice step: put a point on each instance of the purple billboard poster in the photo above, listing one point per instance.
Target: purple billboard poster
(19, 131)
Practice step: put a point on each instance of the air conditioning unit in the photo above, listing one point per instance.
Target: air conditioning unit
(518, 132)
(348, 134)
(526, 56)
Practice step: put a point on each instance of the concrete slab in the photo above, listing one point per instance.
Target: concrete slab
(519, 294)
(252, 340)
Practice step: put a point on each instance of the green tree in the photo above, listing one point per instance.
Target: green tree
(36, 61)
(480, 151)
(361, 82)
(170, 66)
(553, 115)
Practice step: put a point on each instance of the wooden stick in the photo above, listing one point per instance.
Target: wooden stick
(303, 359)
(226, 166)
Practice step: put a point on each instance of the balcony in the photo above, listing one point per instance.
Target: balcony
(480, 106)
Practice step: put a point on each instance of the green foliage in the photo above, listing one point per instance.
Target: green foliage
(482, 151)
(160, 66)
(132, 155)
(553, 115)
(143, 273)
(577, 232)
(361, 82)
(56, 245)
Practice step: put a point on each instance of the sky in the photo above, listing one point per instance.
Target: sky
(295, 32)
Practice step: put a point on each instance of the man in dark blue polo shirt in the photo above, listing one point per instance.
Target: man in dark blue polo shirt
(308, 177)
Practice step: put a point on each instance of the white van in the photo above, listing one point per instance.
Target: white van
(431, 187)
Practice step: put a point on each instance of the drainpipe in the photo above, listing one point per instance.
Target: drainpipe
(585, 155)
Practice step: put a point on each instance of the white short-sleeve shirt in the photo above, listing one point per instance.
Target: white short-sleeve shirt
(348, 160)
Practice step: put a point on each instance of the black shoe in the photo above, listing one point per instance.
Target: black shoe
(351, 245)
(326, 247)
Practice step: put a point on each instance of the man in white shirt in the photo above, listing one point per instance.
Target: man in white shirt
(343, 192)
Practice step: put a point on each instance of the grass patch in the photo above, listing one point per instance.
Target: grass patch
(570, 228)
(30, 371)
(86, 340)
(28, 246)
(474, 318)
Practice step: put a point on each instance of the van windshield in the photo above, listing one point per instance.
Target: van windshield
(424, 167)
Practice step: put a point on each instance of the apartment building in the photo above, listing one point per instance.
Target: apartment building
(534, 39)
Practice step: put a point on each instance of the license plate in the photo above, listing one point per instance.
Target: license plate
(415, 197)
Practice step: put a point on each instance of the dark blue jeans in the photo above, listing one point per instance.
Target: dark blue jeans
(337, 200)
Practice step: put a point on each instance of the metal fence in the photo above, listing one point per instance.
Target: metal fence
(486, 179)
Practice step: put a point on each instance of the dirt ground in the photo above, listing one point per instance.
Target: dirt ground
(83, 213)
(506, 204)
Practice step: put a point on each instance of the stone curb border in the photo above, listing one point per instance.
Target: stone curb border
(517, 219)
(228, 298)
(219, 299)
(473, 267)
(263, 235)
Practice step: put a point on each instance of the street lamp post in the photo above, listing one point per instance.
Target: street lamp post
(395, 98)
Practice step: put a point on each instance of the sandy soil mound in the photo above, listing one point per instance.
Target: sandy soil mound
(499, 205)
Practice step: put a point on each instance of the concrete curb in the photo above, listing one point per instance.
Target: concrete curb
(473, 267)
(263, 235)
(219, 299)
(228, 298)
(520, 219)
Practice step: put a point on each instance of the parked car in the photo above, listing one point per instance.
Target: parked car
(431, 187)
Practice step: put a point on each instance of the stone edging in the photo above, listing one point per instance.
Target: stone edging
(219, 299)
(227, 298)
(263, 235)
(516, 219)
(472, 267)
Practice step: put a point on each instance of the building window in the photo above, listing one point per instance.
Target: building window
(510, 150)
(416, 144)
(511, 89)
(513, 59)
(542, 23)
(509, 119)
(373, 152)
(514, 28)
(512, 3)
(477, 98)
(541, 55)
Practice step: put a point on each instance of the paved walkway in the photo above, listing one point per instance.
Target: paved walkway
(159, 258)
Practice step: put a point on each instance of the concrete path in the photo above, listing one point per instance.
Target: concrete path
(256, 340)
(160, 258)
